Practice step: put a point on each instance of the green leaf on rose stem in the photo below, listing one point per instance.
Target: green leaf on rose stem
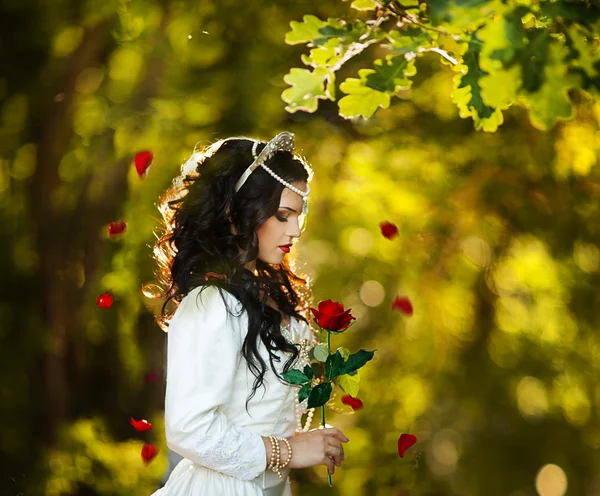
(349, 383)
(334, 365)
(356, 361)
(295, 376)
(321, 352)
(304, 392)
(319, 395)
(345, 352)
(318, 369)
(308, 371)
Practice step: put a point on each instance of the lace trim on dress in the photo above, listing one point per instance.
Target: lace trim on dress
(224, 453)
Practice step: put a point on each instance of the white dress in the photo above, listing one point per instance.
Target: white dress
(208, 381)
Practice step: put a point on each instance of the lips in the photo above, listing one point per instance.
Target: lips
(285, 249)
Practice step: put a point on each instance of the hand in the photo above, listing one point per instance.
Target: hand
(321, 446)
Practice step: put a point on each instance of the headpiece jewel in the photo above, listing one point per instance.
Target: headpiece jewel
(282, 142)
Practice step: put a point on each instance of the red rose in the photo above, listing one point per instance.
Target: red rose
(332, 316)
(388, 229)
(403, 304)
(104, 301)
(143, 161)
(116, 228)
(355, 403)
(149, 452)
(141, 425)
(405, 441)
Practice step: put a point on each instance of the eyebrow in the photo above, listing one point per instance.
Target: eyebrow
(290, 209)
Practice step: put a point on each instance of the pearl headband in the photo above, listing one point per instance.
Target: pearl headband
(282, 142)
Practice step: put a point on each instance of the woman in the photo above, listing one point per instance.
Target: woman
(230, 219)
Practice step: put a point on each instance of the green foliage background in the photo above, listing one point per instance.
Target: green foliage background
(496, 372)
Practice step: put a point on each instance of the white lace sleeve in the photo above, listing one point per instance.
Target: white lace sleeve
(204, 344)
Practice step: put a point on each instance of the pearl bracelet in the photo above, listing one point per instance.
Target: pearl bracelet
(289, 447)
(275, 464)
(272, 441)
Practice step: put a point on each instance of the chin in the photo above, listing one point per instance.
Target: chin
(273, 260)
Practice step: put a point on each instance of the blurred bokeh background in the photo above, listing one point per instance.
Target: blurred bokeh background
(496, 371)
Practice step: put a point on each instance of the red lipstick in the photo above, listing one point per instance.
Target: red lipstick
(285, 249)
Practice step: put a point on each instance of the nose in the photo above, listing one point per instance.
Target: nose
(294, 229)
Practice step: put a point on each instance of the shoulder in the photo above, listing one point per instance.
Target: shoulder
(208, 313)
(210, 298)
(208, 303)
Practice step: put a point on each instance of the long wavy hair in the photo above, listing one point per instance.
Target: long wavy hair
(201, 212)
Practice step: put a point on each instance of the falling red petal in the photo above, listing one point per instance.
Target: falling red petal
(116, 228)
(140, 425)
(214, 275)
(355, 403)
(403, 304)
(405, 441)
(105, 301)
(151, 377)
(143, 161)
(388, 229)
(149, 452)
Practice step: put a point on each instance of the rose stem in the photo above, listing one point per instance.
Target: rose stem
(323, 407)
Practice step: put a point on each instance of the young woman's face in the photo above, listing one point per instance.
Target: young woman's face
(280, 229)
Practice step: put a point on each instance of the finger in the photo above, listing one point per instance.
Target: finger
(336, 453)
(336, 433)
(335, 442)
(330, 464)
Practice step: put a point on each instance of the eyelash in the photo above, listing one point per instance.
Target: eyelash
(280, 218)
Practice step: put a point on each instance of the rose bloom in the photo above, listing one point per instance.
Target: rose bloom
(332, 316)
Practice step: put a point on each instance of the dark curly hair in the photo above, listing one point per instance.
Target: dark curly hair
(199, 211)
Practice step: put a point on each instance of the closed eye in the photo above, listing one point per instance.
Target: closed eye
(280, 218)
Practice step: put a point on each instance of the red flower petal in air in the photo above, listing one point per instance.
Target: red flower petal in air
(355, 403)
(151, 377)
(143, 161)
(104, 301)
(332, 316)
(140, 425)
(116, 228)
(403, 305)
(214, 275)
(149, 452)
(388, 229)
(405, 441)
